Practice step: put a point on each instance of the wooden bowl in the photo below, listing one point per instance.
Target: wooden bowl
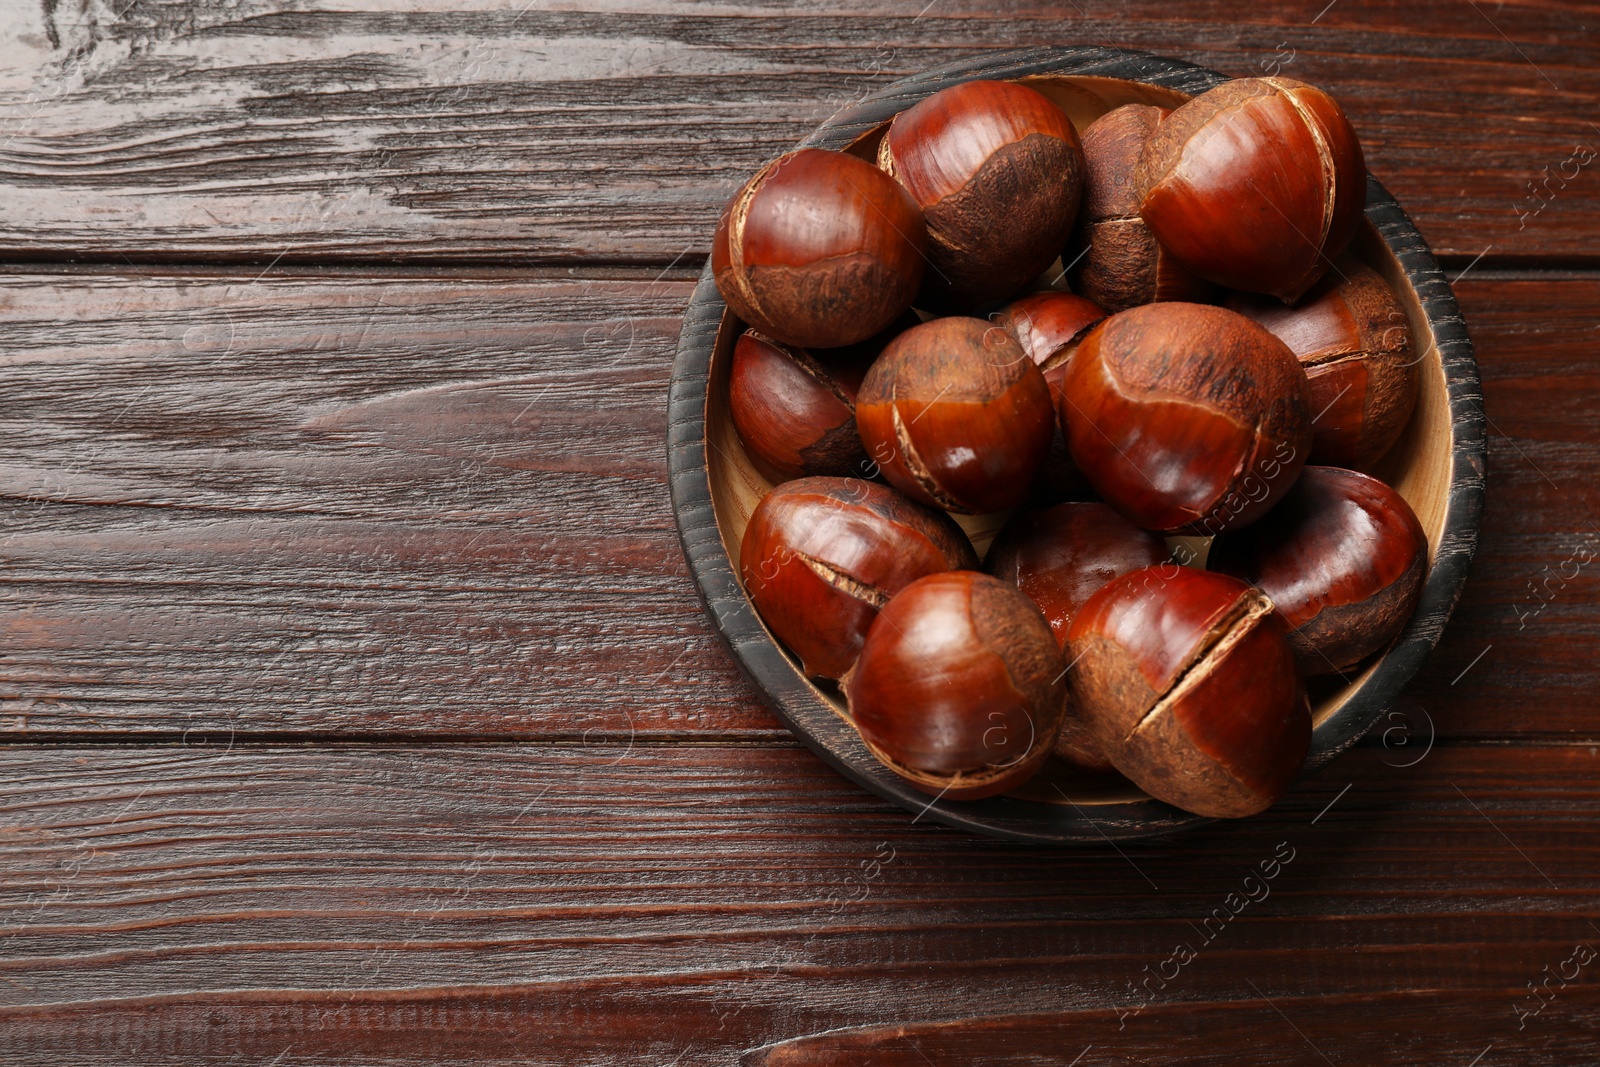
(1438, 466)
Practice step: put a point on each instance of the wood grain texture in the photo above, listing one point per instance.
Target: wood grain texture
(1531, 608)
(1408, 1028)
(685, 904)
(336, 506)
(315, 130)
(347, 503)
(404, 503)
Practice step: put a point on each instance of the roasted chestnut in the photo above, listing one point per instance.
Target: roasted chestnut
(1186, 418)
(821, 556)
(997, 170)
(1049, 326)
(819, 249)
(1257, 184)
(1343, 558)
(1116, 261)
(795, 409)
(1188, 682)
(956, 415)
(1350, 334)
(795, 415)
(960, 687)
(1060, 557)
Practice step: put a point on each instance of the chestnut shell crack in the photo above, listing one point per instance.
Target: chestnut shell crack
(914, 465)
(1064, 352)
(808, 363)
(1236, 624)
(1313, 125)
(1328, 359)
(843, 582)
(1186, 132)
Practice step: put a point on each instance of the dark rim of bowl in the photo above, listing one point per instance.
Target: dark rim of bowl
(799, 705)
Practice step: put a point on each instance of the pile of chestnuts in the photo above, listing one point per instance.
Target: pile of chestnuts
(1179, 446)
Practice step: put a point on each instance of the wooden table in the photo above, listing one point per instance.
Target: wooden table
(357, 705)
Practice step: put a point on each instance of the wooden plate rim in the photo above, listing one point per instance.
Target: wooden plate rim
(794, 699)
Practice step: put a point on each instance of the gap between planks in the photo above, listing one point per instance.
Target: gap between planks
(678, 268)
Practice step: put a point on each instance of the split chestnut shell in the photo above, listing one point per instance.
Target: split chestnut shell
(1188, 681)
(1257, 184)
(821, 556)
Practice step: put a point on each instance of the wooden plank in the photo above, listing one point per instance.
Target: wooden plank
(522, 130)
(348, 503)
(1531, 608)
(1412, 1028)
(418, 503)
(541, 904)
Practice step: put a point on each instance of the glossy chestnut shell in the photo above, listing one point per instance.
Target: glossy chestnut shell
(1186, 418)
(956, 415)
(1188, 681)
(819, 249)
(1257, 184)
(960, 687)
(1049, 326)
(1115, 260)
(1060, 557)
(795, 408)
(821, 556)
(1343, 558)
(1350, 334)
(795, 415)
(997, 170)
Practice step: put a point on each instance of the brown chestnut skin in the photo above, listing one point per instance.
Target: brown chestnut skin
(795, 409)
(1350, 334)
(957, 416)
(1186, 418)
(998, 172)
(1258, 184)
(1187, 679)
(960, 688)
(793, 413)
(1049, 326)
(1116, 261)
(1343, 558)
(1060, 557)
(821, 557)
(819, 249)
